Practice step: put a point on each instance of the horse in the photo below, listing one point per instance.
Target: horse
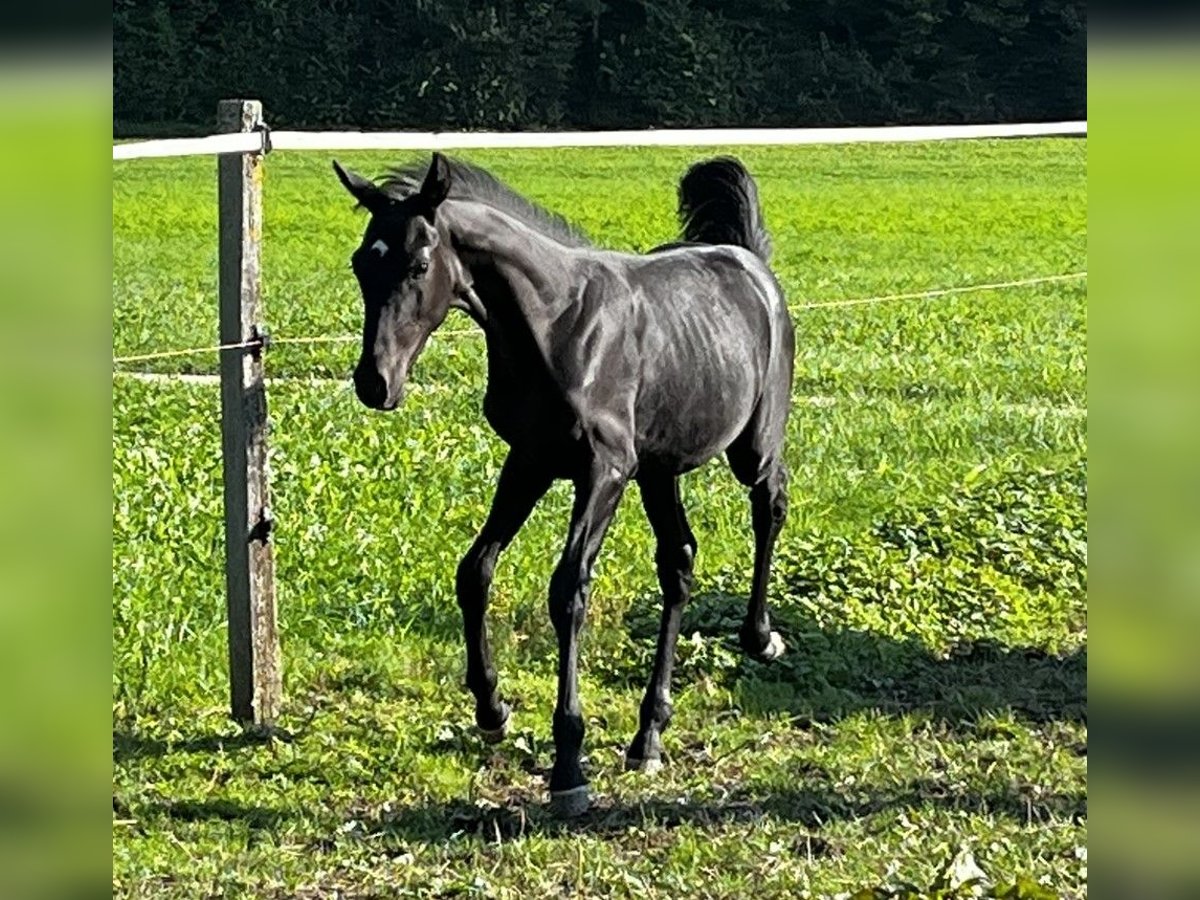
(603, 368)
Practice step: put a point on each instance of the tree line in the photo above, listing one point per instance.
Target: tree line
(536, 64)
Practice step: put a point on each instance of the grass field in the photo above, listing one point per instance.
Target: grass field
(930, 582)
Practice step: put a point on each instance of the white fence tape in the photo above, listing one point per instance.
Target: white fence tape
(476, 140)
(215, 143)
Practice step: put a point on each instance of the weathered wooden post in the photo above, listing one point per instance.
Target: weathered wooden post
(254, 667)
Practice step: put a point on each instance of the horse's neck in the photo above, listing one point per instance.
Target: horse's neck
(485, 236)
(523, 279)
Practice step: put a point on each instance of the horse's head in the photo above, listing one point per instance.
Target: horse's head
(409, 278)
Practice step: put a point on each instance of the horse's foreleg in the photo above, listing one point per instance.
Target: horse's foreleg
(674, 558)
(596, 499)
(768, 509)
(522, 484)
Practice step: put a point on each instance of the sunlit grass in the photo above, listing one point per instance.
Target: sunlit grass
(930, 581)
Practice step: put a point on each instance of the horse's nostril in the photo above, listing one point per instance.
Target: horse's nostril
(371, 389)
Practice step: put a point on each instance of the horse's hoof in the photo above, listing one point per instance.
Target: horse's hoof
(649, 766)
(774, 648)
(570, 804)
(499, 733)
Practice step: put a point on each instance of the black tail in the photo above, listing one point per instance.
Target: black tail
(718, 204)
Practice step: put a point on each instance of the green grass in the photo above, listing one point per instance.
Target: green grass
(930, 582)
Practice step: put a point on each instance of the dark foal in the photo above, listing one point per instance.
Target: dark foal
(603, 368)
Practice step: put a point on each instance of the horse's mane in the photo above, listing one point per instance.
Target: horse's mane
(468, 182)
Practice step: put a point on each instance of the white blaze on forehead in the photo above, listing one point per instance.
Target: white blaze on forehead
(380, 247)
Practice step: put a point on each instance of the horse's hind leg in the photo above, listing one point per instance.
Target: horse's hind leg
(521, 485)
(768, 509)
(674, 558)
(767, 478)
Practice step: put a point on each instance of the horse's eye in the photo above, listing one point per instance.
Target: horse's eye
(420, 267)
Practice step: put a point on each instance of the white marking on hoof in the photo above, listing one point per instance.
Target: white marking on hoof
(774, 648)
(572, 803)
(648, 766)
(496, 735)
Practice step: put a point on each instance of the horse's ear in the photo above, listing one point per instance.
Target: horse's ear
(366, 192)
(436, 186)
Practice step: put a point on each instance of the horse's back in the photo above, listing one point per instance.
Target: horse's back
(663, 358)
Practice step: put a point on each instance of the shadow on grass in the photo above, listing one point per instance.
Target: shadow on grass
(813, 805)
(827, 674)
(256, 817)
(824, 676)
(130, 745)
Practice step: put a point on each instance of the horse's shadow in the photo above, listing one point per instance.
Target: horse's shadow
(815, 801)
(828, 674)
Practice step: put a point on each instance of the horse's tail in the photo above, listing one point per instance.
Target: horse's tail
(718, 204)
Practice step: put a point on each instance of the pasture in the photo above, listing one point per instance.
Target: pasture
(930, 582)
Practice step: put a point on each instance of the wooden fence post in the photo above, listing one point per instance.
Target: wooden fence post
(254, 667)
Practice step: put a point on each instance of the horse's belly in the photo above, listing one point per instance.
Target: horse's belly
(691, 419)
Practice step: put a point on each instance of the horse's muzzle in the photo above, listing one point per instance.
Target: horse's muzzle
(374, 391)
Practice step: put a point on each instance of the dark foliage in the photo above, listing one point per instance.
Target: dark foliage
(529, 64)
